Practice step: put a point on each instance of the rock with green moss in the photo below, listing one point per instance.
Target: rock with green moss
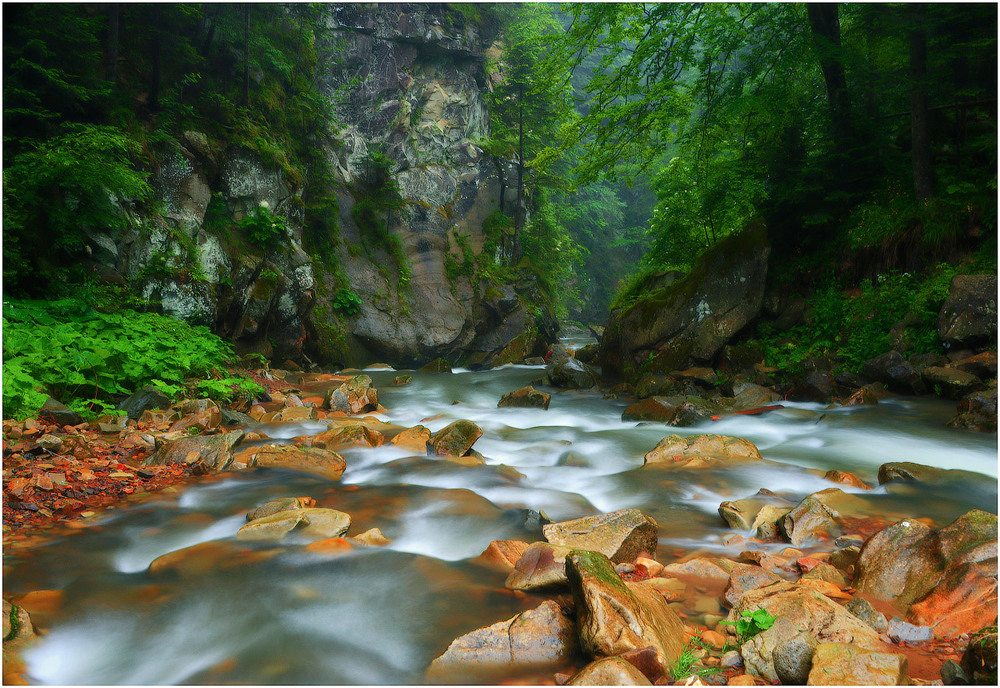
(455, 439)
(688, 321)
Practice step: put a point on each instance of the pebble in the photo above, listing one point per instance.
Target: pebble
(732, 659)
(742, 680)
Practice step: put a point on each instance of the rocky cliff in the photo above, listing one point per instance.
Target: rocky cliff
(405, 84)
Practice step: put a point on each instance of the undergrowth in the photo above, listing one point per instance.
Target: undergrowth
(86, 358)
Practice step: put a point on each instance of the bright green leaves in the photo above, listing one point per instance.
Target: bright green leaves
(264, 228)
(751, 624)
(66, 349)
(346, 302)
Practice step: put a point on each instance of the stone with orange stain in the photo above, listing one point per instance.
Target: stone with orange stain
(825, 588)
(335, 545)
(845, 478)
(742, 680)
(41, 605)
(649, 567)
(349, 436)
(206, 557)
(964, 601)
(502, 555)
(373, 537)
(715, 639)
(203, 420)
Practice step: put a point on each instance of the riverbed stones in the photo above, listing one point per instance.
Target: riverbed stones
(348, 436)
(502, 555)
(620, 535)
(746, 577)
(847, 664)
(321, 462)
(526, 397)
(354, 396)
(977, 411)
(614, 617)
(542, 565)
(413, 439)
(19, 635)
(276, 505)
(312, 523)
(809, 520)
(796, 610)
(893, 371)
(455, 439)
(964, 600)
(952, 383)
(571, 374)
(699, 451)
(609, 671)
(541, 636)
(742, 513)
(292, 414)
(215, 452)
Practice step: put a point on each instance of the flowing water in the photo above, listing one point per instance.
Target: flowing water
(266, 614)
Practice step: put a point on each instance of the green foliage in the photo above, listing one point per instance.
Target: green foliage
(263, 227)
(346, 302)
(376, 195)
(67, 349)
(227, 389)
(682, 668)
(751, 624)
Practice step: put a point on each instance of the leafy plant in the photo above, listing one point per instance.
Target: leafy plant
(682, 668)
(263, 227)
(346, 302)
(751, 624)
(228, 388)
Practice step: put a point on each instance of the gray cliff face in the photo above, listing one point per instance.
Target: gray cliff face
(406, 82)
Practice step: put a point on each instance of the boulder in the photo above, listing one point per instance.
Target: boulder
(526, 397)
(865, 396)
(348, 436)
(811, 519)
(916, 472)
(18, 635)
(793, 659)
(291, 414)
(701, 450)
(438, 365)
(688, 321)
(740, 358)
(746, 577)
(53, 411)
(655, 408)
(614, 617)
(212, 451)
(609, 671)
(146, 399)
(354, 396)
(455, 439)
(968, 316)
(321, 462)
(846, 664)
(542, 565)
(925, 573)
(620, 535)
(502, 555)
(541, 636)
(276, 505)
(893, 371)
(977, 411)
(414, 439)
(572, 374)
(312, 524)
(742, 513)
(401, 380)
(796, 610)
(864, 610)
(815, 385)
(952, 382)
(656, 384)
(982, 365)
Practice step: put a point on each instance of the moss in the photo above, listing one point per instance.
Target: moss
(15, 623)
(597, 565)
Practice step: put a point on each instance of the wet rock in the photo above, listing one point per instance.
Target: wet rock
(19, 635)
(321, 462)
(373, 537)
(982, 365)
(865, 396)
(916, 472)
(688, 321)
(893, 371)
(542, 565)
(609, 671)
(952, 674)
(742, 513)
(793, 659)
(572, 374)
(828, 573)
(980, 658)
(541, 636)
(620, 535)
(526, 397)
(740, 358)
(901, 631)
(977, 411)
(455, 439)
(201, 420)
(614, 617)
(845, 478)
(656, 384)
(276, 505)
(401, 380)
(701, 450)
(952, 383)
(813, 518)
(312, 523)
(816, 385)
(845, 558)
(906, 562)
(713, 572)
(230, 417)
(864, 610)
(847, 664)
(969, 315)
(206, 558)
(146, 399)
(745, 577)
(414, 439)
(348, 436)
(502, 554)
(53, 411)
(964, 600)
(703, 377)
(291, 414)
(50, 443)
(655, 409)
(215, 452)
(354, 396)
(796, 609)
(767, 522)
(438, 365)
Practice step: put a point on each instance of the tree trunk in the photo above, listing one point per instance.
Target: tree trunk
(154, 81)
(519, 210)
(246, 54)
(923, 180)
(824, 20)
(111, 70)
(212, 21)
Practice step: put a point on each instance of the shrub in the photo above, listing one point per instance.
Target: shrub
(264, 228)
(347, 302)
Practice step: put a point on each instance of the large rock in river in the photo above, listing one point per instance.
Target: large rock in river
(621, 535)
(688, 322)
(969, 314)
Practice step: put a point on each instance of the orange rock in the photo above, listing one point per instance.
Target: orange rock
(845, 478)
(330, 546)
(742, 680)
(649, 567)
(825, 588)
(715, 639)
(41, 605)
(964, 601)
(502, 554)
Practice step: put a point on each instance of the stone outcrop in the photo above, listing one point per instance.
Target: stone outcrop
(688, 321)
(620, 535)
(526, 397)
(701, 451)
(969, 314)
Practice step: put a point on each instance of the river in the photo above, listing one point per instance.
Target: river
(267, 614)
